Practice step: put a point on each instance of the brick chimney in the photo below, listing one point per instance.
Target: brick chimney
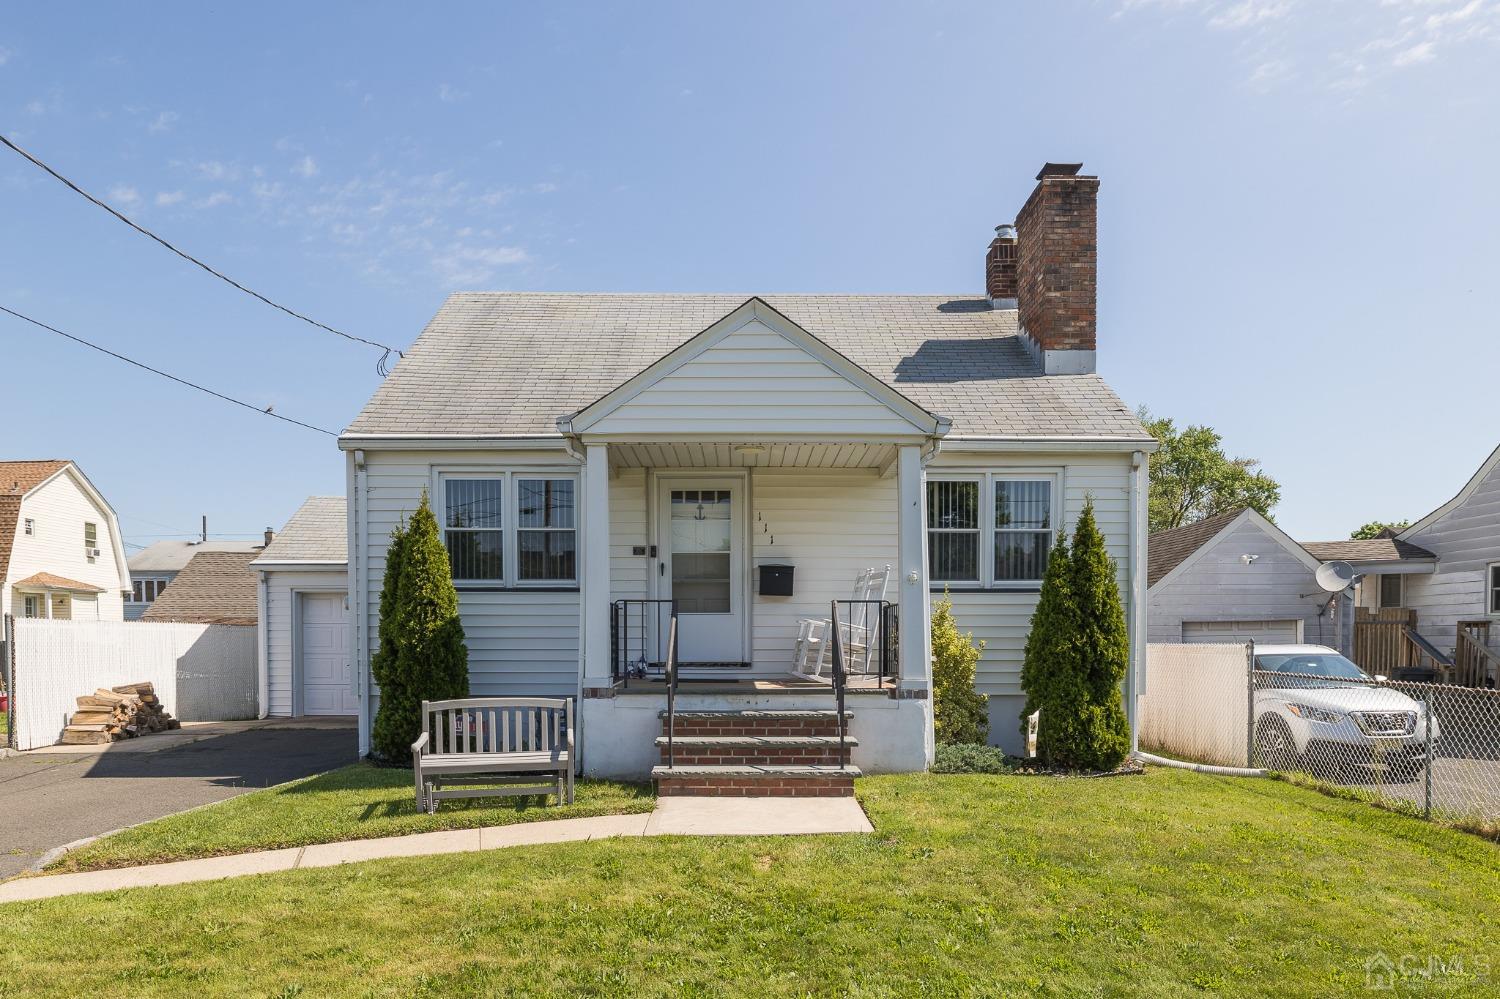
(270, 536)
(1057, 269)
(1000, 268)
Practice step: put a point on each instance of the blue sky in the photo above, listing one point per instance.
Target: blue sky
(1298, 213)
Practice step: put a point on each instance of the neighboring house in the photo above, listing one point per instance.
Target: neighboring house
(60, 550)
(213, 588)
(156, 565)
(305, 667)
(1457, 601)
(1383, 565)
(1237, 577)
(588, 453)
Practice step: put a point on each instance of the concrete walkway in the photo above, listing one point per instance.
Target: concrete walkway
(672, 817)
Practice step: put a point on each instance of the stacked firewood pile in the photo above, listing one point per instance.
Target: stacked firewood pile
(122, 712)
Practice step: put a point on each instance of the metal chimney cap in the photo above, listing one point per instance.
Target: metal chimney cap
(1059, 170)
(1005, 230)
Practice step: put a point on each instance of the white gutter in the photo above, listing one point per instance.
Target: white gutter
(262, 652)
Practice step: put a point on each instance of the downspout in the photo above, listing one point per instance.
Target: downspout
(1134, 680)
(358, 567)
(262, 654)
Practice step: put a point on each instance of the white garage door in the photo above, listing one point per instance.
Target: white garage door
(324, 652)
(1259, 632)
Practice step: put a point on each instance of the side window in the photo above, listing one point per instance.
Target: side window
(474, 528)
(546, 530)
(90, 539)
(953, 530)
(1023, 529)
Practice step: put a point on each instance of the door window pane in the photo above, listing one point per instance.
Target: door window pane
(953, 531)
(701, 554)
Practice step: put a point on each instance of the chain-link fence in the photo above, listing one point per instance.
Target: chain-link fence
(1432, 748)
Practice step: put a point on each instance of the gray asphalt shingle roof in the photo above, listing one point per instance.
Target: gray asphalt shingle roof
(317, 532)
(214, 588)
(512, 363)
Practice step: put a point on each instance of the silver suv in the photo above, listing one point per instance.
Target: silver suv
(1326, 714)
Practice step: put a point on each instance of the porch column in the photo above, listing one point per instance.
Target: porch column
(595, 595)
(914, 623)
(49, 605)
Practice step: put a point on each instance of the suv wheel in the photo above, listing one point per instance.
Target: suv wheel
(1274, 745)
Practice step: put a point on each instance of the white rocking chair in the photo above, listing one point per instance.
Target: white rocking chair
(813, 656)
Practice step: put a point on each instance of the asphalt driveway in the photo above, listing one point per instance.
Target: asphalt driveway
(47, 800)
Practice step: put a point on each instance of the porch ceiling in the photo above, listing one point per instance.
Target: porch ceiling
(751, 455)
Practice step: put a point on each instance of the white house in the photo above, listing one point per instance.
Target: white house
(156, 565)
(60, 549)
(598, 460)
(302, 594)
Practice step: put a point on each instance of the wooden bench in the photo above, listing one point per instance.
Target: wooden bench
(511, 745)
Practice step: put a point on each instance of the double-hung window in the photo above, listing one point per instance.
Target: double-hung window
(474, 528)
(1492, 588)
(510, 529)
(990, 530)
(90, 539)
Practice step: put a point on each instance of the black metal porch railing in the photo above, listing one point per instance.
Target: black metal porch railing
(839, 682)
(640, 638)
(868, 633)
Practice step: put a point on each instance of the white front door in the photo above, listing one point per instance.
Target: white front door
(323, 648)
(701, 564)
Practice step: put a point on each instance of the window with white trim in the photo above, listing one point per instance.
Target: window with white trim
(1493, 590)
(144, 590)
(546, 530)
(474, 527)
(30, 528)
(953, 530)
(90, 540)
(32, 606)
(1023, 529)
(512, 528)
(991, 530)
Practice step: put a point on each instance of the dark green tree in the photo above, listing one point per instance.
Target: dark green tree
(428, 658)
(1192, 478)
(1379, 529)
(1077, 655)
(383, 663)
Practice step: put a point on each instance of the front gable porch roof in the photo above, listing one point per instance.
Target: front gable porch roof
(507, 365)
(738, 376)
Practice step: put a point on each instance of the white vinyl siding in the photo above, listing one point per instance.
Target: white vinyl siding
(1219, 586)
(754, 381)
(280, 586)
(59, 509)
(1002, 617)
(1466, 541)
(520, 642)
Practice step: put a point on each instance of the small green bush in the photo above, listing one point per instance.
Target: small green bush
(960, 713)
(970, 758)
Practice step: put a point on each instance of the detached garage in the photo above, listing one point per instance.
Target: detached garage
(1237, 577)
(303, 594)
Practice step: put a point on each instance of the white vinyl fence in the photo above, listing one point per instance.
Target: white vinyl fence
(1196, 703)
(202, 672)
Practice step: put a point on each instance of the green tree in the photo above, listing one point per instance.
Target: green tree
(1077, 655)
(427, 656)
(960, 713)
(383, 662)
(1192, 478)
(1379, 529)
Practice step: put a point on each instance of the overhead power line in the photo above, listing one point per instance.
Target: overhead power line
(380, 365)
(264, 411)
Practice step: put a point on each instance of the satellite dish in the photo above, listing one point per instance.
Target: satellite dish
(1335, 576)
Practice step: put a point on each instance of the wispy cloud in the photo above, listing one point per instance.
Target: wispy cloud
(165, 199)
(216, 170)
(214, 200)
(124, 196)
(163, 122)
(465, 265)
(1344, 45)
(5, 55)
(449, 94)
(306, 167)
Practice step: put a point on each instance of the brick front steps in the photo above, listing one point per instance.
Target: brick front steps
(755, 781)
(755, 753)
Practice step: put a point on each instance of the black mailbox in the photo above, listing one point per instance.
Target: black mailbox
(776, 580)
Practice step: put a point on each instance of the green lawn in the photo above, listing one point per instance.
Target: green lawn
(355, 802)
(1170, 884)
